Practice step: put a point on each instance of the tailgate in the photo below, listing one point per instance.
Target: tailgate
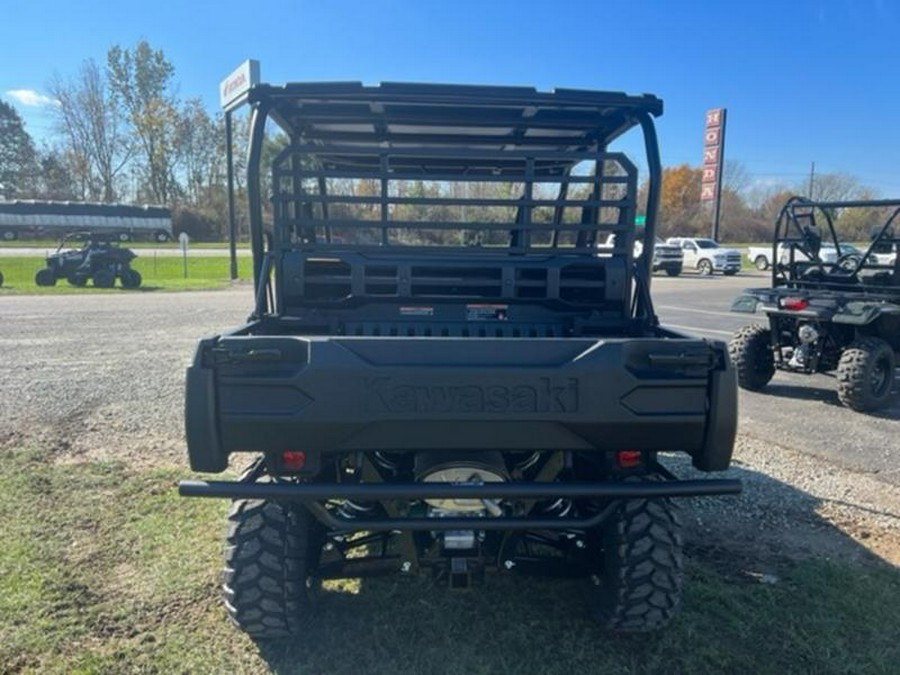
(337, 394)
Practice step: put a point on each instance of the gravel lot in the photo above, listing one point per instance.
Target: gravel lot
(101, 376)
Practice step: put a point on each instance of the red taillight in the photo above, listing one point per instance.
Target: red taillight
(795, 304)
(628, 459)
(293, 460)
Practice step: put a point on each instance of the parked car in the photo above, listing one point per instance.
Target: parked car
(761, 256)
(707, 256)
(666, 258)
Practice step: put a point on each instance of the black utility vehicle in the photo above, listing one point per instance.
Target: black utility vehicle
(841, 316)
(98, 260)
(442, 372)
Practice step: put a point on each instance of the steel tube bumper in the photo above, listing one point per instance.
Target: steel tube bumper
(312, 493)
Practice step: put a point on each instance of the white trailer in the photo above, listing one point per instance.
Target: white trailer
(31, 218)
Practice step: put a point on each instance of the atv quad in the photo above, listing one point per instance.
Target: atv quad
(98, 260)
(442, 373)
(841, 316)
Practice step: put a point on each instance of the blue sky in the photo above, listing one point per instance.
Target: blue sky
(802, 80)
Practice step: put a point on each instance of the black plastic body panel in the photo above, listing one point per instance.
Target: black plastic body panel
(263, 393)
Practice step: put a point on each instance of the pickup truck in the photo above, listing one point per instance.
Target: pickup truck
(667, 258)
(761, 256)
(440, 374)
(884, 254)
(707, 256)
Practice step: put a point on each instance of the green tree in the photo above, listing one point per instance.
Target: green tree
(199, 157)
(18, 159)
(140, 79)
(55, 180)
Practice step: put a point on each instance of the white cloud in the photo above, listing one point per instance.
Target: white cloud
(30, 97)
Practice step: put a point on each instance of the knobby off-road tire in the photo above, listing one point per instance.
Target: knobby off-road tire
(642, 567)
(130, 278)
(865, 374)
(267, 566)
(45, 277)
(104, 278)
(77, 279)
(751, 353)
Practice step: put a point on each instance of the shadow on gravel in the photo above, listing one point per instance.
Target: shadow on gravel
(769, 581)
(828, 395)
(802, 393)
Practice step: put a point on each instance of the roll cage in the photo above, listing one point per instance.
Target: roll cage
(401, 170)
(804, 225)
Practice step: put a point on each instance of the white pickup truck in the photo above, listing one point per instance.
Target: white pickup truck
(885, 254)
(761, 256)
(665, 257)
(707, 256)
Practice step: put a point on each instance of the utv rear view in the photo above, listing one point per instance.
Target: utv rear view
(831, 307)
(442, 372)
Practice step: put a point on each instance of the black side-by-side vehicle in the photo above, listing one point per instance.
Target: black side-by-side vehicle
(840, 316)
(98, 260)
(442, 372)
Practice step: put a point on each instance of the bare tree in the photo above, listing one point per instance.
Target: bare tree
(94, 136)
(735, 176)
(832, 187)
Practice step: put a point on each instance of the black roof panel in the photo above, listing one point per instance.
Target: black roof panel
(396, 114)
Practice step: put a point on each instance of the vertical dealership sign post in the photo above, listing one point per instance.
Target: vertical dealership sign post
(713, 160)
(232, 94)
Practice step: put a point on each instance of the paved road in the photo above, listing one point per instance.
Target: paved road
(117, 361)
(797, 411)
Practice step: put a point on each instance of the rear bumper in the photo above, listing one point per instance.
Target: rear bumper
(334, 395)
(311, 493)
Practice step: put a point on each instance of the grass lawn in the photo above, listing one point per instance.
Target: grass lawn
(105, 569)
(158, 272)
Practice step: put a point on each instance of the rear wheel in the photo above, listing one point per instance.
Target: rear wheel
(45, 277)
(267, 564)
(705, 268)
(865, 374)
(762, 263)
(104, 278)
(78, 279)
(8, 235)
(642, 567)
(130, 278)
(161, 237)
(751, 352)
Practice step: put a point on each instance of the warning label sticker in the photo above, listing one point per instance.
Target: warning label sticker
(417, 311)
(487, 312)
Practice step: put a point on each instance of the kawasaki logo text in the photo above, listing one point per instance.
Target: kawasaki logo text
(546, 395)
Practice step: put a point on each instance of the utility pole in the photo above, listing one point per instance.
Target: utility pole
(812, 178)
